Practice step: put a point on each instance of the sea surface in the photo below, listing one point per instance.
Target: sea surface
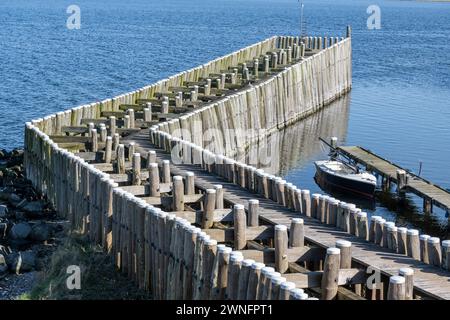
(399, 106)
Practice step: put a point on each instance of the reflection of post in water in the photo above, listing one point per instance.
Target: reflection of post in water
(298, 143)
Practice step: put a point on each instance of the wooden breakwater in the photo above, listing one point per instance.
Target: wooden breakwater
(142, 211)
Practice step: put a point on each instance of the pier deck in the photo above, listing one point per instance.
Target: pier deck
(417, 185)
(429, 281)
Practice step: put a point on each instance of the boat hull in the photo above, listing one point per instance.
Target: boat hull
(335, 182)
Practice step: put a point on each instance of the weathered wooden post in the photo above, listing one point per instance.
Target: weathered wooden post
(434, 251)
(413, 244)
(120, 159)
(445, 255)
(349, 31)
(408, 274)
(392, 237)
(306, 203)
(265, 272)
(285, 290)
(94, 140)
(253, 215)
(108, 149)
(209, 205)
(178, 193)
(346, 253)
(240, 240)
(233, 275)
(131, 150)
(297, 233)
(315, 205)
(331, 274)
(112, 126)
(165, 107)
(401, 240)
(148, 112)
(372, 228)
(219, 196)
(396, 289)
(136, 169)
(103, 132)
(244, 276)
(116, 141)
(166, 171)
(281, 246)
(401, 181)
(254, 280)
(154, 179)
(189, 183)
(130, 113)
(424, 248)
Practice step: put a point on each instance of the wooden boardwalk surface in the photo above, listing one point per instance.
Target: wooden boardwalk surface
(417, 185)
(428, 280)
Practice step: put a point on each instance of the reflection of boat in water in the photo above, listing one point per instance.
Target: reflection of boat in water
(337, 175)
(343, 176)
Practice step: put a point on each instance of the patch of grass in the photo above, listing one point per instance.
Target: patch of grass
(99, 278)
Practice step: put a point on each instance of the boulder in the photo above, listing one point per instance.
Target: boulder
(33, 206)
(3, 211)
(21, 261)
(40, 232)
(20, 230)
(3, 265)
(3, 230)
(14, 199)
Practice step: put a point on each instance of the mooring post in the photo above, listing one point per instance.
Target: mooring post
(423, 238)
(402, 240)
(244, 276)
(94, 140)
(189, 183)
(116, 141)
(108, 149)
(408, 274)
(331, 274)
(401, 181)
(297, 233)
(413, 244)
(103, 132)
(446, 255)
(434, 251)
(136, 169)
(233, 275)
(165, 107)
(349, 31)
(392, 237)
(178, 193)
(285, 290)
(120, 159)
(219, 196)
(372, 228)
(166, 171)
(112, 126)
(253, 215)
(209, 205)
(254, 280)
(265, 271)
(315, 205)
(306, 203)
(154, 179)
(397, 288)
(346, 253)
(240, 225)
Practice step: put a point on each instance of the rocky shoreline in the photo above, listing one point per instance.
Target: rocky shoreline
(29, 228)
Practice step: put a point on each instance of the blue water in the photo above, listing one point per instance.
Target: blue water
(399, 104)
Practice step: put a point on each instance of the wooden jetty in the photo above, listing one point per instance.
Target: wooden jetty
(406, 181)
(185, 221)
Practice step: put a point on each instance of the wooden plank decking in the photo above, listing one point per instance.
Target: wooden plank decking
(416, 184)
(428, 280)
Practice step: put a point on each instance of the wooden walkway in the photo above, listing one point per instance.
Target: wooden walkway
(417, 185)
(428, 280)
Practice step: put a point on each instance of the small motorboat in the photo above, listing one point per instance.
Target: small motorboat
(340, 174)
(337, 175)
